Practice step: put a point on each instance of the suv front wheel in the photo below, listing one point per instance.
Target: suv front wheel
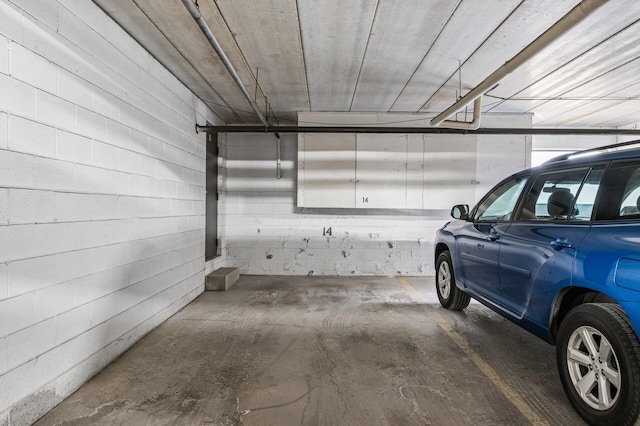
(598, 357)
(449, 295)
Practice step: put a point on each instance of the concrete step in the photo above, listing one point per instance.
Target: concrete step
(221, 279)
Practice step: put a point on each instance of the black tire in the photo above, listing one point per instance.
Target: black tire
(605, 361)
(449, 295)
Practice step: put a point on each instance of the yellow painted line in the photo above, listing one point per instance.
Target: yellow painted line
(491, 374)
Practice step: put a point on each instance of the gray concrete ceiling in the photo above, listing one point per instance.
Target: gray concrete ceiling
(396, 56)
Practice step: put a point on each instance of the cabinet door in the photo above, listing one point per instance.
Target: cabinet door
(381, 171)
(449, 171)
(327, 163)
(415, 170)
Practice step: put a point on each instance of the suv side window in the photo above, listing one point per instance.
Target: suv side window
(586, 199)
(501, 202)
(561, 195)
(621, 200)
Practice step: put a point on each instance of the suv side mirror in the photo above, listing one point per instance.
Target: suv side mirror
(460, 211)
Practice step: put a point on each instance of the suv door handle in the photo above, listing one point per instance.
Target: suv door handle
(493, 236)
(561, 243)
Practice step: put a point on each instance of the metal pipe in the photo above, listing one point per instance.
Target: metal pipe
(418, 130)
(568, 21)
(467, 125)
(195, 13)
(279, 161)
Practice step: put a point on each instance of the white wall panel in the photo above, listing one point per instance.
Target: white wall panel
(415, 171)
(329, 163)
(381, 171)
(449, 170)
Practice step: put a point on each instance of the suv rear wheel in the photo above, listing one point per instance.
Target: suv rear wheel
(449, 295)
(598, 357)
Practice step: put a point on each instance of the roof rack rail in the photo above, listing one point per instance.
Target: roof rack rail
(564, 157)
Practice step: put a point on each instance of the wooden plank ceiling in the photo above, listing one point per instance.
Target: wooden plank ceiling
(396, 56)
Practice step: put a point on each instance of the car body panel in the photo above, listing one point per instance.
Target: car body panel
(539, 254)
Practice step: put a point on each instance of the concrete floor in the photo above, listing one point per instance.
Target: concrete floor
(326, 351)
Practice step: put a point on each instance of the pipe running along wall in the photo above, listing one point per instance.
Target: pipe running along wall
(204, 27)
(567, 22)
(419, 130)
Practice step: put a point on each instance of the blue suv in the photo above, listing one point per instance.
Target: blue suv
(556, 250)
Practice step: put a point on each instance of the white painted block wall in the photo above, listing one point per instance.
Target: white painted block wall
(263, 232)
(101, 199)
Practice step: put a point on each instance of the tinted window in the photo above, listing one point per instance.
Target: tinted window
(553, 196)
(587, 195)
(630, 204)
(500, 203)
(621, 198)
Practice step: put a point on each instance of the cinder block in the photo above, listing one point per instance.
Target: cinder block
(88, 234)
(30, 342)
(73, 147)
(117, 231)
(106, 104)
(16, 313)
(17, 97)
(4, 130)
(74, 264)
(128, 207)
(17, 169)
(170, 153)
(4, 248)
(29, 241)
(45, 13)
(33, 69)
(104, 155)
(29, 206)
(222, 279)
(91, 124)
(31, 274)
(117, 134)
(4, 281)
(90, 179)
(55, 111)
(128, 161)
(139, 185)
(32, 137)
(103, 309)
(54, 300)
(55, 174)
(72, 323)
(139, 140)
(117, 182)
(147, 165)
(4, 59)
(72, 88)
(104, 207)
(4, 206)
(72, 207)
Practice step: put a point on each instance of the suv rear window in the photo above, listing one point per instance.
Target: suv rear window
(621, 198)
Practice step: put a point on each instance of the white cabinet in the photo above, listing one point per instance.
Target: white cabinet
(402, 171)
(449, 171)
(326, 170)
(381, 171)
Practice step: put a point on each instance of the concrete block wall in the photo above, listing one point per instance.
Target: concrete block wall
(263, 232)
(101, 199)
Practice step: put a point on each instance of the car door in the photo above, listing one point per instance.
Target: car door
(538, 249)
(609, 257)
(479, 240)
